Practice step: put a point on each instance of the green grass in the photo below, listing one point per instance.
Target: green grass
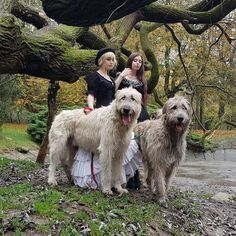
(69, 208)
(13, 136)
(22, 165)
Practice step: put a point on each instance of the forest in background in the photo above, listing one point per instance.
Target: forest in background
(199, 64)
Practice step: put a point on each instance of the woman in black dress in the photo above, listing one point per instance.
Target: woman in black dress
(100, 90)
(133, 75)
(100, 86)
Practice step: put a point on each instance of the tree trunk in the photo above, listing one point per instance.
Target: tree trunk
(201, 110)
(53, 87)
(221, 110)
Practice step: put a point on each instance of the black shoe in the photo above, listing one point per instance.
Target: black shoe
(130, 184)
(137, 182)
(134, 182)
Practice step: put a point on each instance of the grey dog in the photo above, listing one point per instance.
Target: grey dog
(163, 144)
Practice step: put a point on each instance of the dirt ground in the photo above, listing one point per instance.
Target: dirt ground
(215, 217)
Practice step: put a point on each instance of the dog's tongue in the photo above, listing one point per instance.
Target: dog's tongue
(126, 120)
(179, 127)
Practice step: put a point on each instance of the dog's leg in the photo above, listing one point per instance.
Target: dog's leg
(106, 172)
(68, 162)
(169, 174)
(116, 170)
(149, 176)
(52, 174)
(159, 178)
(58, 151)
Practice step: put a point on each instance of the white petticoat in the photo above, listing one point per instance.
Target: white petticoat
(81, 170)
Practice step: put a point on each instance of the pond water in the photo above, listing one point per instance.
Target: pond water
(209, 172)
(220, 155)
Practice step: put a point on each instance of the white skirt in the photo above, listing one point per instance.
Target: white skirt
(86, 176)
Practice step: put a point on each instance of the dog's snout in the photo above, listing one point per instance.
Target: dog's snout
(126, 109)
(180, 119)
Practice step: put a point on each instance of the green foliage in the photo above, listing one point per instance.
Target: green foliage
(38, 124)
(196, 143)
(9, 92)
(152, 107)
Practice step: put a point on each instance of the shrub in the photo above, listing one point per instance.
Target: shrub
(38, 124)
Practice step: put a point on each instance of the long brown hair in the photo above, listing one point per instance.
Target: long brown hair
(140, 74)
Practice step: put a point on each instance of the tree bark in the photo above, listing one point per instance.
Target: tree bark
(168, 14)
(53, 88)
(146, 47)
(90, 12)
(49, 52)
(83, 13)
(28, 14)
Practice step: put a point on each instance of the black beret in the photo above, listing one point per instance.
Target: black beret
(101, 52)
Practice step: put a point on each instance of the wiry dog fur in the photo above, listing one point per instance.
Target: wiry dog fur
(163, 145)
(106, 131)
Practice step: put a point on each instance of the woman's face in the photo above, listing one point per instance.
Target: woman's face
(108, 62)
(137, 63)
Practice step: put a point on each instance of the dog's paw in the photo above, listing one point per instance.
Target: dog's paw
(162, 201)
(107, 192)
(52, 182)
(122, 191)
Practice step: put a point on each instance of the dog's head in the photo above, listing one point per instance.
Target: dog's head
(128, 105)
(177, 113)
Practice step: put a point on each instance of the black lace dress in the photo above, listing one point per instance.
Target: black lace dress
(139, 86)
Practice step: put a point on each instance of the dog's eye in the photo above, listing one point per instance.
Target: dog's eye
(174, 107)
(184, 107)
(123, 98)
(132, 98)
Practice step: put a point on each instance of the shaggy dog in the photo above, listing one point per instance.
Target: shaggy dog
(106, 131)
(163, 145)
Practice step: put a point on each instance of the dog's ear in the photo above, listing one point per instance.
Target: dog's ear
(164, 109)
(117, 93)
(189, 106)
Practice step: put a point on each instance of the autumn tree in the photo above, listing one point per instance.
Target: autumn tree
(65, 52)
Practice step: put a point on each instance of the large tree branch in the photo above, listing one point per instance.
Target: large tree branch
(49, 53)
(168, 14)
(90, 39)
(150, 55)
(29, 15)
(90, 12)
(205, 5)
(128, 24)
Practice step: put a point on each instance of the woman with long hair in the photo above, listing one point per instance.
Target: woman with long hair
(133, 76)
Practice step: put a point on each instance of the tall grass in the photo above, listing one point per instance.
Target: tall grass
(13, 136)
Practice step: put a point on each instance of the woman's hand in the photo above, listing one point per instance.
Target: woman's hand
(126, 72)
(87, 110)
(122, 75)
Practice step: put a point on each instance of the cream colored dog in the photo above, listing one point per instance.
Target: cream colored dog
(163, 145)
(106, 131)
